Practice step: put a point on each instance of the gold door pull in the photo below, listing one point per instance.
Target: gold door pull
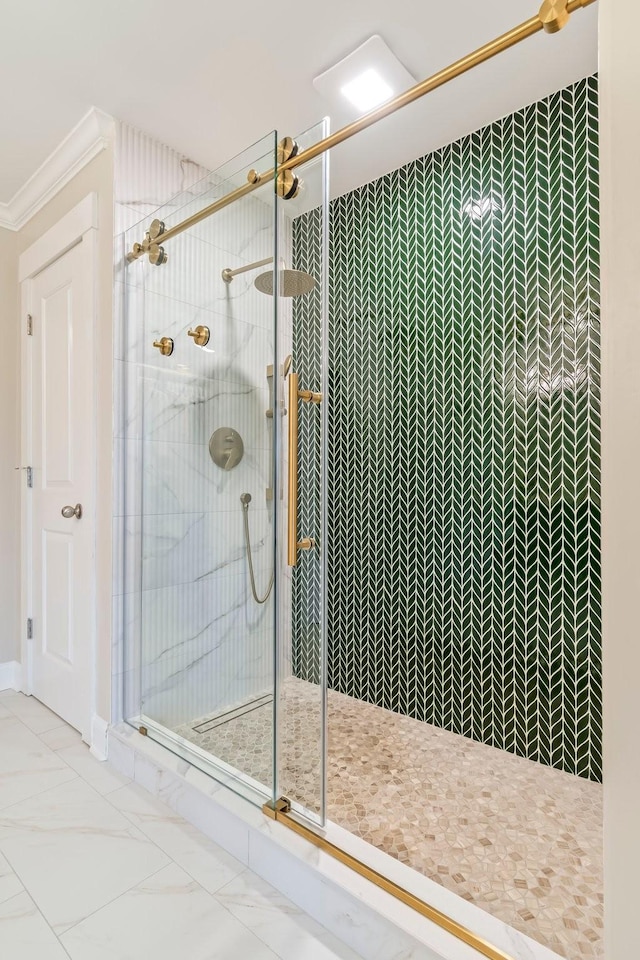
(305, 543)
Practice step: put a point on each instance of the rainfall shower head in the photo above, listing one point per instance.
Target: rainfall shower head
(292, 283)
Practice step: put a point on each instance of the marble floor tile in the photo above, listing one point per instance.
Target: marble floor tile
(122, 876)
(103, 778)
(291, 934)
(9, 883)
(33, 713)
(74, 852)
(167, 916)
(202, 859)
(27, 765)
(9, 695)
(24, 934)
(61, 737)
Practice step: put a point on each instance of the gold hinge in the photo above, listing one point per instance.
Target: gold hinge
(29, 325)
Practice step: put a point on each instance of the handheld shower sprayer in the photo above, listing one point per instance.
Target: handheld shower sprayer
(245, 500)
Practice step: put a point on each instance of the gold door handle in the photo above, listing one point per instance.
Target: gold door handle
(307, 396)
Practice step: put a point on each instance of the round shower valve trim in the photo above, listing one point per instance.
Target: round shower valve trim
(226, 448)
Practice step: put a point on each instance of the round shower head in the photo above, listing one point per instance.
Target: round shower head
(292, 283)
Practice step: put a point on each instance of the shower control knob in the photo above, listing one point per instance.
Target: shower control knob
(226, 448)
(200, 335)
(164, 345)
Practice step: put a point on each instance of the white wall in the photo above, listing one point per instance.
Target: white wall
(620, 145)
(9, 450)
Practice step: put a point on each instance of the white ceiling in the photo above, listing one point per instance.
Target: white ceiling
(208, 77)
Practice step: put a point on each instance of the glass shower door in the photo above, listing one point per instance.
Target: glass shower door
(225, 379)
(301, 677)
(201, 440)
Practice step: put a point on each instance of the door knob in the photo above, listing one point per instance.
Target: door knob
(69, 511)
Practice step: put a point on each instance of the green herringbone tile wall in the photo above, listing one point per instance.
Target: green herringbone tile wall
(464, 478)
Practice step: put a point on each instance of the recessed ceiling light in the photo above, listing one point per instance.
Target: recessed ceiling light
(364, 79)
(367, 90)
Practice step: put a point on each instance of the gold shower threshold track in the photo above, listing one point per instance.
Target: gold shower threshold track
(552, 17)
(281, 812)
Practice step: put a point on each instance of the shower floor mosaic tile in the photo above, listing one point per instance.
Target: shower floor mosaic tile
(518, 839)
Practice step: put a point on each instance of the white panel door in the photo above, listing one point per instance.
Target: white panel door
(61, 426)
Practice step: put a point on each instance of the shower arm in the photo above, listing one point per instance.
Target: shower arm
(552, 17)
(228, 274)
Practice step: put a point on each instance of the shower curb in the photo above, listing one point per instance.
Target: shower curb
(367, 919)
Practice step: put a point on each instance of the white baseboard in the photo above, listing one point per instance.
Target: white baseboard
(99, 730)
(11, 675)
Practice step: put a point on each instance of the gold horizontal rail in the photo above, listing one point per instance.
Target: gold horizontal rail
(281, 812)
(552, 17)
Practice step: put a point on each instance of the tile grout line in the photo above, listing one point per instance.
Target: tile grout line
(40, 914)
(123, 894)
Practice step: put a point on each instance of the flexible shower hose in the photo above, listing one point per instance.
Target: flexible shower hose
(245, 500)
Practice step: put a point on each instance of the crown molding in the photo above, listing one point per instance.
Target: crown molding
(94, 133)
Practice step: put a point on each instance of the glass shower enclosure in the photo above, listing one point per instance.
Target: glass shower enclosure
(224, 535)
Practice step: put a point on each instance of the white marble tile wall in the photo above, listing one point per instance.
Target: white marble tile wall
(148, 174)
(195, 640)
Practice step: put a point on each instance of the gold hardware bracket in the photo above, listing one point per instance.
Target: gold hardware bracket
(200, 335)
(164, 345)
(287, 148)
(253, 177)
(274, 807)
(143, 731)
(307, 543)
(280, 811)
(157, 254)
(156, 229)
(554, 15)
(287, 185)
(308, 396)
